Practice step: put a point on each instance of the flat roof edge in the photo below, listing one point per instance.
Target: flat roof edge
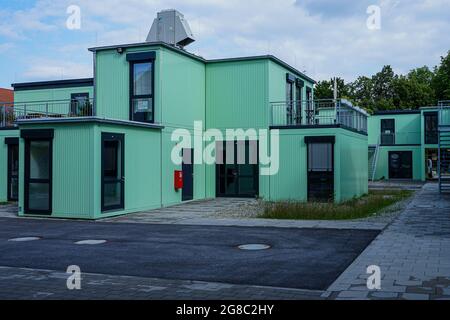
(88, 120)
(82, 82)
(199, 58)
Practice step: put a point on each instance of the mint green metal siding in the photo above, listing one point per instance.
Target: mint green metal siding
(236, 94)
(51, 100)
(4, 162)
(179, 86)
(407, 128)
(382, 170)
(351, 160)
(50, 94)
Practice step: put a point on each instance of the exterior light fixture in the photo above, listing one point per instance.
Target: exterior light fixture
(119, 50)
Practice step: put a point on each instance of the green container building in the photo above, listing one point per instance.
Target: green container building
(405, 144)
(96, 148)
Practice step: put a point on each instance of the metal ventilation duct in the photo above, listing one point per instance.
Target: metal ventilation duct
(171, 27)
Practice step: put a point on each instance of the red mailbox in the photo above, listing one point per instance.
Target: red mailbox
(178, 179)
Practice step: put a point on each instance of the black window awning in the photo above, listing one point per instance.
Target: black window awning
(320, 139)
(10, 140)
(37, 134)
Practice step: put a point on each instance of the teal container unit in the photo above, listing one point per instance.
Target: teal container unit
(178, 99)
(347, 164)
(239, 93)
(53, 97)
(8, 156)
(90, 177)
(405, 141)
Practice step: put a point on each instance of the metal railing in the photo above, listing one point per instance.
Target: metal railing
(11, 112)
(318, 112)
(400, 138)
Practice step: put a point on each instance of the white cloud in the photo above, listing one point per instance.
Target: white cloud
(320, 36)
(56, 70)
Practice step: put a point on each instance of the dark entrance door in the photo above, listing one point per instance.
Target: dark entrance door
(38, 176)
(113, 175)
(188, 175)
(238, 176)
(400, 165)
(13, 172)
(320, 169)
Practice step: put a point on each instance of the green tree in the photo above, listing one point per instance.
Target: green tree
(441, 81)
(324, 89)
(360, 92)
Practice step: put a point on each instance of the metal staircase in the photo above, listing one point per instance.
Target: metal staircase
(444, 146)
(373, 160)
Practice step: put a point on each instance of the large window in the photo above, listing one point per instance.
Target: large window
(80, 105)
(142, 73)
(289, 99)
(431, 127)
(387, 132)
(299, 97)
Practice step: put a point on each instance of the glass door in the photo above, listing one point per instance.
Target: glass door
(38, 176)
(113, 177)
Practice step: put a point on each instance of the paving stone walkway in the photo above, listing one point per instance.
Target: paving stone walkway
(413, 254)
(34, 284)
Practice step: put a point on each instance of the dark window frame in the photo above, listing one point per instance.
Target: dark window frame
(299, 85)
(105, 137)
(383, 128)
(29, 180)
(132, 63)
(290, 97)
(73, 98)
(331, 173)
(9, 164)
(223, 175)
(431, 136)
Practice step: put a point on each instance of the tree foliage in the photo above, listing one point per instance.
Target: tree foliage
(386, 90)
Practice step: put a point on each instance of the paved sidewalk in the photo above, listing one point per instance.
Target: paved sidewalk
(413, 254)
(26, 284)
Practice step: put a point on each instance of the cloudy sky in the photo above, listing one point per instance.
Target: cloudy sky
(324, 38)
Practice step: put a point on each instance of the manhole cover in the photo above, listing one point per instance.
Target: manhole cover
(24, 239)
(90, 242)
(255, 246)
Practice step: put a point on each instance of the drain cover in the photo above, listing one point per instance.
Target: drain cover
(90, 242)
(24, 239)
(255, 246)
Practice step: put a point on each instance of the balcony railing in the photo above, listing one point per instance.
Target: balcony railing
(318, 112)
(400, 138)
(12, 112)
(444, 113)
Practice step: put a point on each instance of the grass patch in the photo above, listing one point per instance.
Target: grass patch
(365, 206)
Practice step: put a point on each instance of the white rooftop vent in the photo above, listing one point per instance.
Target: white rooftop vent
(171, 27)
